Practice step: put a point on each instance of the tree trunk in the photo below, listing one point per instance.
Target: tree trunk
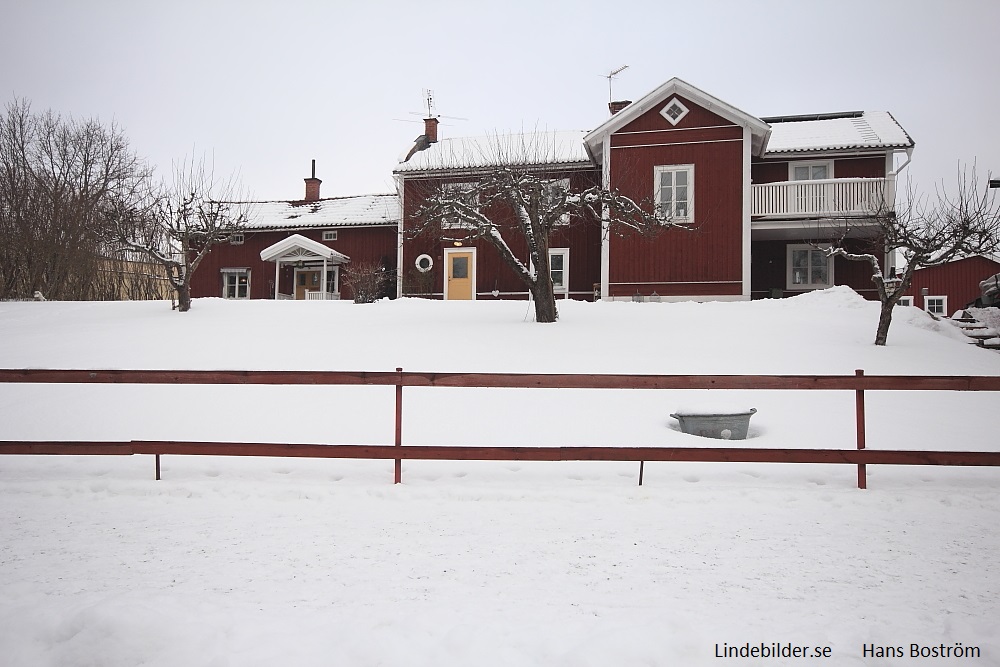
(545, 302)
(884, 320)
(183, 298)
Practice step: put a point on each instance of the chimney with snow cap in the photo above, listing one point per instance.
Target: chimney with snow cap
(312, 185)
(431, 129)
(615, 107)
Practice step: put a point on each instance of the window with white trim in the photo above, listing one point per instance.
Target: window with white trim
(905, 301)
(236, 239)
(465, 192)
(936, 305)
(810, 171)
(808, 267)
(236, 283)
(559, 269)
(553, 193)
(330, 235)
(674, 191)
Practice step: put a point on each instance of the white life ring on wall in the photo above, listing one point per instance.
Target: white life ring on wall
(424, 263)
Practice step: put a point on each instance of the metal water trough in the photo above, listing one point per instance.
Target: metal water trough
(724, 426)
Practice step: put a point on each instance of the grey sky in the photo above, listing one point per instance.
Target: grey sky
(267, 86)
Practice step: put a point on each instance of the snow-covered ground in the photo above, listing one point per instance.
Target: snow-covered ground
(231, 561)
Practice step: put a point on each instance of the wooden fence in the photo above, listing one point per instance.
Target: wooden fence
(858, 383)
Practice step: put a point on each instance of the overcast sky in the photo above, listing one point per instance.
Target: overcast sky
(265, 87)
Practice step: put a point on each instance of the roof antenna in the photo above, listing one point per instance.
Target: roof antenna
(611, 75)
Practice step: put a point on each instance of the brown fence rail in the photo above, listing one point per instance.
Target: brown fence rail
(859, 383)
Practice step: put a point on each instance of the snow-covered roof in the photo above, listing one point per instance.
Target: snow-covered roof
(528, 148)
(850, 130)
(357, 211)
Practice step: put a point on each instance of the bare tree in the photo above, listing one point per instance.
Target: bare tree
(177, 226)
(56, 175)
(927, 232)
(534, 201)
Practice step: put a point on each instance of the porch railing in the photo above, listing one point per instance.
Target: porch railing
(829, 197)
(321, 296)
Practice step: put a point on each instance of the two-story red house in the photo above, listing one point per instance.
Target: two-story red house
(761, 193)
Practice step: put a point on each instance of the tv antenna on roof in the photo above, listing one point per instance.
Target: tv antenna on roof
(611, 75)
(431, 107)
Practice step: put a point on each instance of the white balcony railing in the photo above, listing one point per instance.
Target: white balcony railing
(830, 197)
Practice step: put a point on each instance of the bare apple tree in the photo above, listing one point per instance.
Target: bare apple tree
(927, 232)
(521, 197)
(176, 226)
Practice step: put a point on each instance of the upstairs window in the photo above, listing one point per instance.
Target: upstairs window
(674, 191)
(810, 171)
(330, 235)
(465, 192)
(236, 239)
(553, 193)
(808, 268)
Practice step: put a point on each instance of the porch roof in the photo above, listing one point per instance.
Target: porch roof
(297, 247)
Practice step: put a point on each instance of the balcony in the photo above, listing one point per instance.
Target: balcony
(834, 197)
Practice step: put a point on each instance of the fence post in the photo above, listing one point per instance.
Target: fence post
(859, 402)
(398, 468)
(157, 467)
(641, 465)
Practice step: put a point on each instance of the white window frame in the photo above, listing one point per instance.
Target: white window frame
(564, 253)
(461, 187)
(791, 248)
(551, 184)
(944, 304)
(659, 171)
(905, 301)
(234, 273)
(330, 235)
(236, 239)
(670, 119)
(810, 163)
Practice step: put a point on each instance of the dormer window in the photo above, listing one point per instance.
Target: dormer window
(674, 111)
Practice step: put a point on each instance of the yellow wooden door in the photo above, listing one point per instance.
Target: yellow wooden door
(460, 272)
(306, 280)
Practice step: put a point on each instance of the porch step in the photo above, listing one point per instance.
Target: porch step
(979, 334)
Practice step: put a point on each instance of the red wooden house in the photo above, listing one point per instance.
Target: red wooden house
(761, 193)
(295, 249)
(944, 289)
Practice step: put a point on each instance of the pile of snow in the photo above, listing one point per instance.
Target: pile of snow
(231, 561)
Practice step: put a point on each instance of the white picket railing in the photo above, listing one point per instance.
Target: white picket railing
(834, 196)
(316, 295)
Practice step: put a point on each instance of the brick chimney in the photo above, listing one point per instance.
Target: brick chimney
(312, 185)
(431, 129)
(615, 107)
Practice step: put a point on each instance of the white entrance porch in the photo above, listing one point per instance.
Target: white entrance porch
(317, 268)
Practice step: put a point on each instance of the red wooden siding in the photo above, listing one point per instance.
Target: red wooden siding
(358, 243)
(582, 239)
(958, 280)
(703, 262)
